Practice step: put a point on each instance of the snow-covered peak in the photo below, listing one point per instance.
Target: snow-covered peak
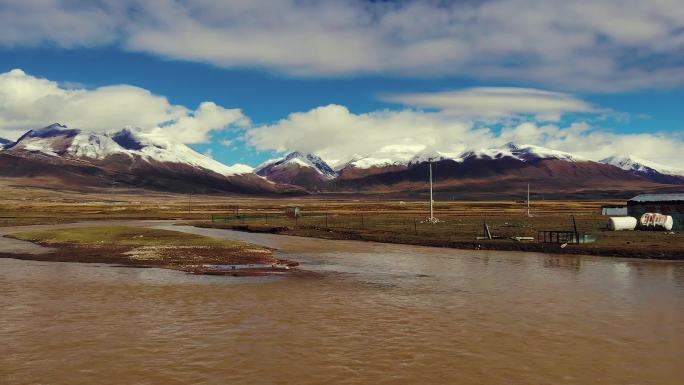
(51, 131)
(382, 159)
(163, 149)
(634, 163)
(525, 152)
(529, 150)
(58, 140)
(365, 162)
(297, 159)
(431, 156)
(93, 146)
(52, 140)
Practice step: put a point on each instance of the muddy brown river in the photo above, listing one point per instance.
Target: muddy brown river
(382, 314)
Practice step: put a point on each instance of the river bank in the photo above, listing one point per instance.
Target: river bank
(144, 247)
(647, 245)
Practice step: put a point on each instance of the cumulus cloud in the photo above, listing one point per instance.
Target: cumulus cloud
(583, 139)
(578, 44)
(496, 102)
(28, 102)
(338, 135)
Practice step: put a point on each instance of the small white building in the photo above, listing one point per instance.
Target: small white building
(614, 211)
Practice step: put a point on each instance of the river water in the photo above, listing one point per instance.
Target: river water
(382, 314)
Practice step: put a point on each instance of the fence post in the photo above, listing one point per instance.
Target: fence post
(326, 220)
(296, 221)
(415, 226)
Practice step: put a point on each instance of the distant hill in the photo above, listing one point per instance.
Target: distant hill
(305, 170)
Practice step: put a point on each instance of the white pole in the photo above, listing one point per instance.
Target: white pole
(431, 212)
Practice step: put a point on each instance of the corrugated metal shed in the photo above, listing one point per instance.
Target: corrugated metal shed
(666, 204)
(658, 198)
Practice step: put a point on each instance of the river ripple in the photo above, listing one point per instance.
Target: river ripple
(387, 314)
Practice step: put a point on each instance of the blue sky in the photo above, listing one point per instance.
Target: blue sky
(603, 96)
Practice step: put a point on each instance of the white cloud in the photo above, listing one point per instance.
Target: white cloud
(580, 138)
(337, 135)
(496, 102)
(28, 102)
(578, 44)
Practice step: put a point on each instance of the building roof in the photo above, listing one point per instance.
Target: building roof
(658, 198)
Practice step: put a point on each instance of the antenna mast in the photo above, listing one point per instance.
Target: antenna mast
(431, 218)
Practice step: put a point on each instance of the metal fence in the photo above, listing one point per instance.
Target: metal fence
(449, 227)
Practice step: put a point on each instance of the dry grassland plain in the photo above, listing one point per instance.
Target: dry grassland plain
(370, 218)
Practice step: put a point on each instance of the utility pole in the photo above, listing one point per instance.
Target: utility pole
(431, 218)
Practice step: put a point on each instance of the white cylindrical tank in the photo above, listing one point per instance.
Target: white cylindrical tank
(656, 221)
(622, 223)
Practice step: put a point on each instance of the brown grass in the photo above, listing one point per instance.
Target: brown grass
(386, 220)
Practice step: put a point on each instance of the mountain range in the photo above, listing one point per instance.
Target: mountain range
(487, 173)
(58, 155)
(71, 158)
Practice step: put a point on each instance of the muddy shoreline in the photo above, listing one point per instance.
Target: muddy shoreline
(207, 260)
(69, 253)
(628, 251)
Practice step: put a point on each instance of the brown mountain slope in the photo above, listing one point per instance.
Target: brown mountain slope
(134, 172)
(507, 177)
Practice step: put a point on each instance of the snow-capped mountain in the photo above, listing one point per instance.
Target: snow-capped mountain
(430, 156)
(525, 153)
(474, 172)
(639, 165)
(129, 156)
(58, 140)
(149, 160)
(297, 159)
(499, 171)
(306, 170)
(363, 162)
